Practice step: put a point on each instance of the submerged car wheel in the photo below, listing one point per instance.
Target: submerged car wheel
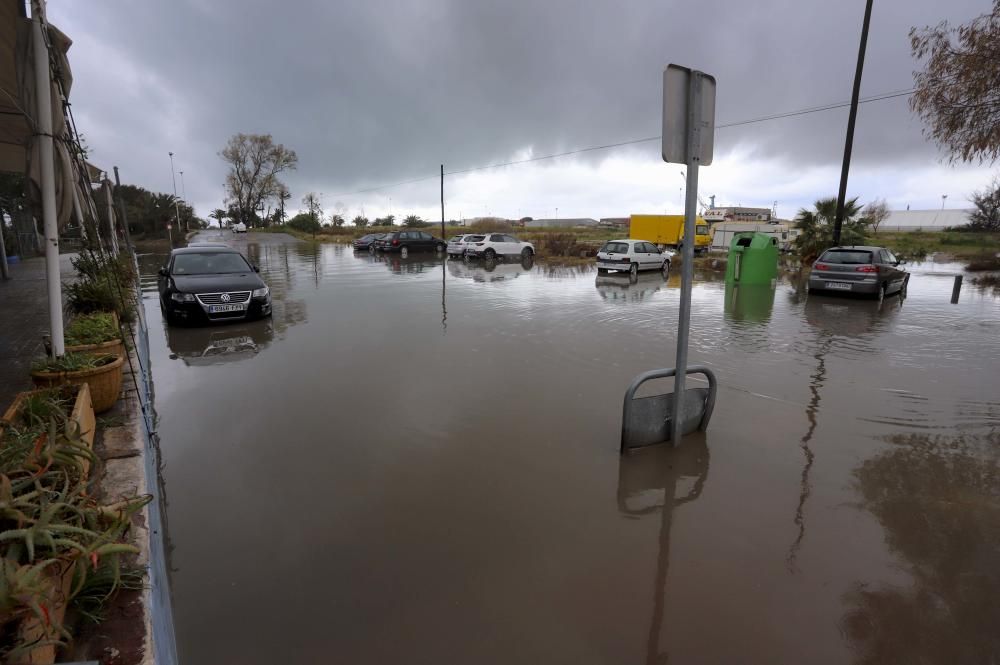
(634, 270)
(526, 253)
(666, 268)
(440, 247)
(880, 296)
(902, 289)
(490, 254)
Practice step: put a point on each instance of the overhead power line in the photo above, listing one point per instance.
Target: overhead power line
(648, 139)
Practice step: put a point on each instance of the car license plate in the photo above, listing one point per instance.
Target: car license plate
(218, 309)
(613, 266)
(838, 286)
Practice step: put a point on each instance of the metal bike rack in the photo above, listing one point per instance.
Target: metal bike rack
(646, 421)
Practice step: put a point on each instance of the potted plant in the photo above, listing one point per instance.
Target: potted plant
(35, 407)
(103, 374)
(97, 333)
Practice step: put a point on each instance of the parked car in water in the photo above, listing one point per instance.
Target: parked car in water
(458, 244)
(239, 227)
(632, 256)
(492, 245)
(412, 241)
(365, 242)
(862, 269)
(210, 283)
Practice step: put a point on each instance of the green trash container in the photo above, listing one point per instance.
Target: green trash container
(753, 259)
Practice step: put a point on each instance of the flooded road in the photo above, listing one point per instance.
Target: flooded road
(417, 461)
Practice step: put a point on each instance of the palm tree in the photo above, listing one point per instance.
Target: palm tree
(413, 220)
(218, 215)
(816, 227)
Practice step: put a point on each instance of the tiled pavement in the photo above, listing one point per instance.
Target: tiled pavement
(24, 319)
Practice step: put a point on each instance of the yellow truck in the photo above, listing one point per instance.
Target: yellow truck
(668, 230)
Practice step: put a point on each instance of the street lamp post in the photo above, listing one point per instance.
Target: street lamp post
(177, 210)
(943, 197)
(183, 189)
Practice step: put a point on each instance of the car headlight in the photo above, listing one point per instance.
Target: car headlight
(182, 297)
(261, 292)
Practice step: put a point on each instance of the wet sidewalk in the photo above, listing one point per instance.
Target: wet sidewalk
(24, 319)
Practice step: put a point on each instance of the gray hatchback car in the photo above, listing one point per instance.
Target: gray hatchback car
(859, 269)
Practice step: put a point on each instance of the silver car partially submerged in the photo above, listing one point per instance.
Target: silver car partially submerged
(861, 269)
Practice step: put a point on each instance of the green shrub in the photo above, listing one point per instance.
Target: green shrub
(95, 328)
(71, 362)
(304, 222)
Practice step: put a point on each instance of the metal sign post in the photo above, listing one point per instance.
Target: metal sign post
(688, 138)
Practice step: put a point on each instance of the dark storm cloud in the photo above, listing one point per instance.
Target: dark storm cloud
(370, 92)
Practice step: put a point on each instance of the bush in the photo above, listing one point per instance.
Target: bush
(95, 328)
(87, 297)
(491, 224)
(304, 222)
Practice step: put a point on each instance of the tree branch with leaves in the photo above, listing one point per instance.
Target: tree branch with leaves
(255, 161)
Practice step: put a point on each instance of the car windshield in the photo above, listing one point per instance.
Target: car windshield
(456, 238)
(209, 263)
(846, 256)
(615, 248)
(701, 230)
(475, 238)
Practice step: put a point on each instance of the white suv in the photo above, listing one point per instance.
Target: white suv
(492, 245)
(458, 244)
(632, 256)
(239, 227)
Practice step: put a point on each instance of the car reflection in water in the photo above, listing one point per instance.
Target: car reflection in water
(412, 263)
(615, 287)
(490, 270)
(849, 317)
(214, 346)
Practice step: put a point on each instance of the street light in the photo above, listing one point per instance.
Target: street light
(177, 210)
(943, 197)
(183, 189)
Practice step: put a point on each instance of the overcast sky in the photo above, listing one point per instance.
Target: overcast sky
(370, 93)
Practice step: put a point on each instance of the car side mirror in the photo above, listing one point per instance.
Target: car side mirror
(256, 268)
(163, 272)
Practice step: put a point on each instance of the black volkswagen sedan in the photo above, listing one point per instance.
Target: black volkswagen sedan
(207, 283)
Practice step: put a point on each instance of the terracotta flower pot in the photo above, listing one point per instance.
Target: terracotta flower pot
(105, 382)
(112, 348)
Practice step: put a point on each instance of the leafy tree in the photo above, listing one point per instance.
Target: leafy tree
(816, 227)
(337, 220)
(986, 214)
(218, 215)
(875, 213)
(385, 221)
(255, 161)
(304, 222)
(958, 92)
(313, 206)
(413, 221)
(360, 222)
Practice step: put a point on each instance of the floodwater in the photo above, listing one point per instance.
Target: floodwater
(417, 461)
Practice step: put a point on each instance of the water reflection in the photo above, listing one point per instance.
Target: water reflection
(938, 499)
(626, 288)
(851, 317)
(750, 304)
(412, 264)
(489, 271)
(658, 481)
(214, 345)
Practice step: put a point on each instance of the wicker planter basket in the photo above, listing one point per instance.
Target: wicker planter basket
(105, 382)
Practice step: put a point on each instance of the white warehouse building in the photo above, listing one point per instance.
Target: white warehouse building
(925, 220)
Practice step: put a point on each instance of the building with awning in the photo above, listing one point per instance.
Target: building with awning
(39, 140)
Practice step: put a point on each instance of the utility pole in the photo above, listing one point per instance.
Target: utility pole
(177, 210)
(442, 201)
(849, 143)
